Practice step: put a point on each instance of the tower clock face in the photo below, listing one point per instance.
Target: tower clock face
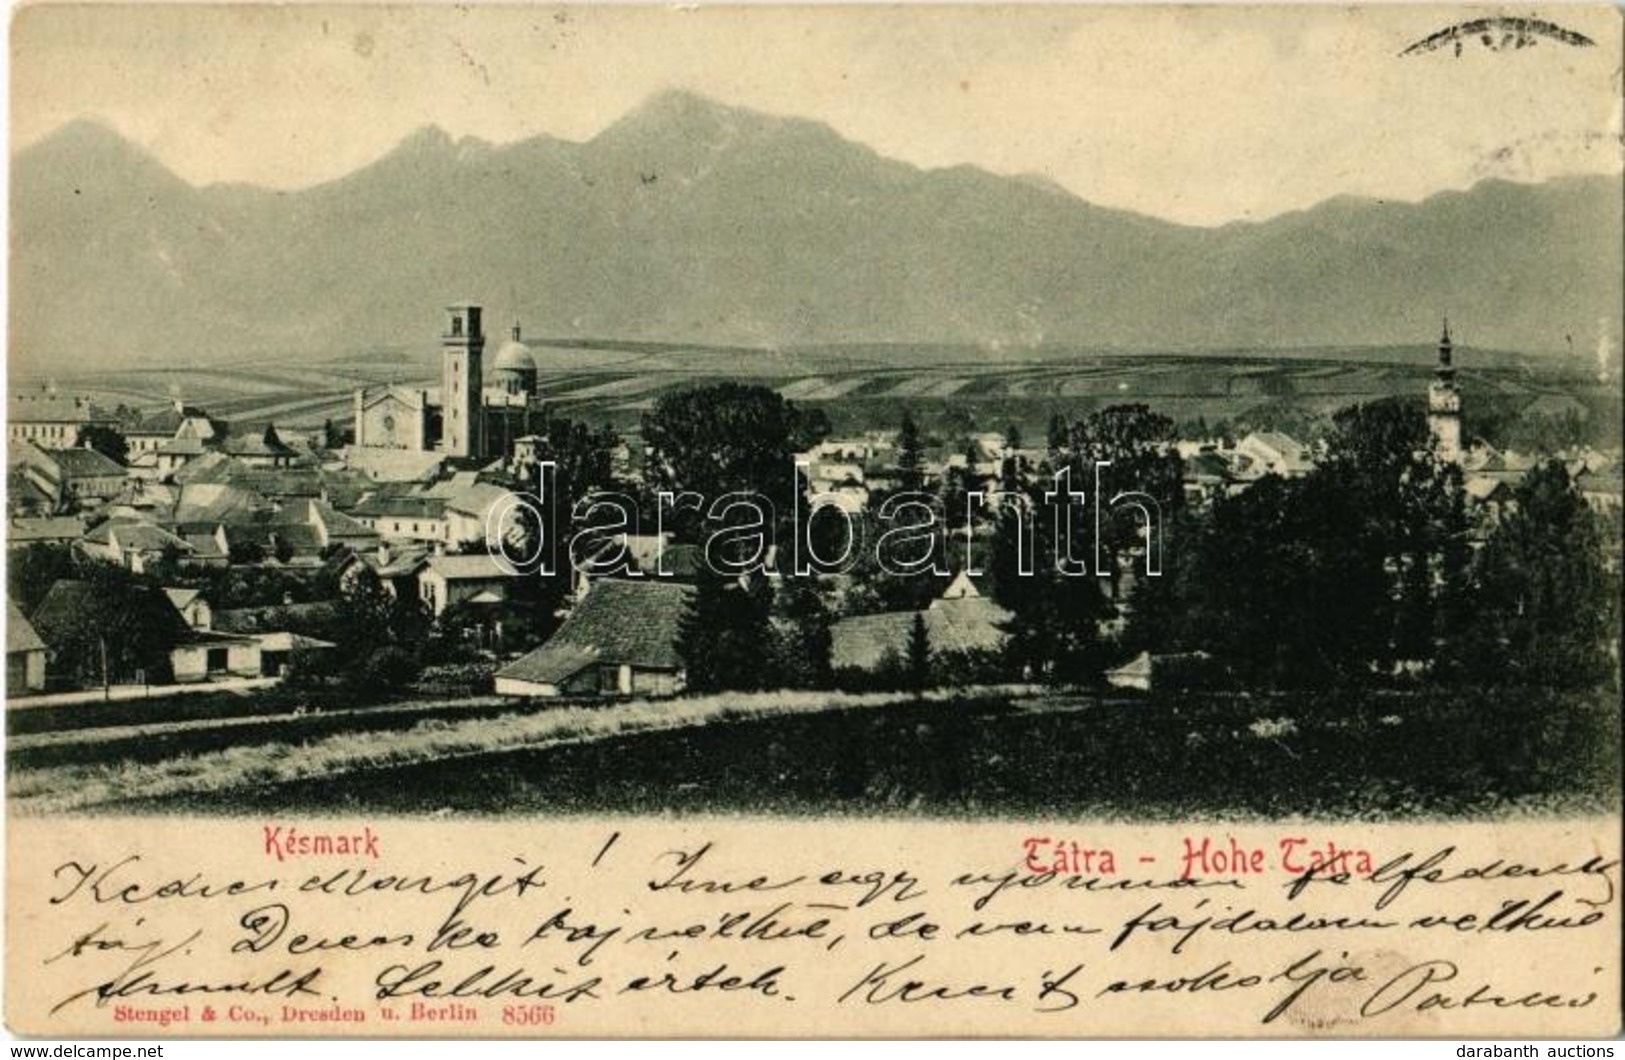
(389, 424)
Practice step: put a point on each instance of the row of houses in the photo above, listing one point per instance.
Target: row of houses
(198, 643)
(224, 509)
(198, 495)
(195, 494)
(845, 471)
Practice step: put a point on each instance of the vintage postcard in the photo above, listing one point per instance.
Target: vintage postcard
(1015, 521)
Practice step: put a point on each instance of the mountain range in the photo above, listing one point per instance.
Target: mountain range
(690, 221)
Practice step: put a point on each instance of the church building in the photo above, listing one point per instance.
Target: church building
(1444, 404)
(471, 416)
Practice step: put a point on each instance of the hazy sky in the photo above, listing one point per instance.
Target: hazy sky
(1199, 115)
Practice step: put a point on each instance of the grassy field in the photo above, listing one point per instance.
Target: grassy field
(1000, 754)
(198, 762)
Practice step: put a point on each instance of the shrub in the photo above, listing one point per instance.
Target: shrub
(388, 667)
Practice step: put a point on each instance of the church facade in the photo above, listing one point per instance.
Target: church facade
(474, 415)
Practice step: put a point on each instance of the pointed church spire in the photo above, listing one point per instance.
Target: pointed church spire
(1444, 404)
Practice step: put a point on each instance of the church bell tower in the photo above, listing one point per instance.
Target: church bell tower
(1444, 404)
(462, 346)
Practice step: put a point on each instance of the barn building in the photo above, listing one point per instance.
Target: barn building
(620, 640)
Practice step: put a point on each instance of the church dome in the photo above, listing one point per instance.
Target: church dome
(514, 356)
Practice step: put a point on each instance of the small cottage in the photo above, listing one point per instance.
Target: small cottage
(621, 640)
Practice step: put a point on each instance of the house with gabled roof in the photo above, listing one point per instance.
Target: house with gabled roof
(1273, 453)
(638, 556)
(1500, 465)
(211, 546)
(282, 631)
(172, 455)
(403, 516)
(49, 418)
(59, 529)
(1165, 672)
(960, 625)
(1601, 487)
(24, 496)
(473, 514)
(1208, 476)
(259, 447)
(450, 485)
(217, 502)
(25, 654)
(153, 431)
(395, 566)
(474, 578)
(136, 546)
(203, 654)
(193, 608)
(337, 528)
(191, 654)
(142, 500)
(620, 640)
(394, 465)
(79, 475)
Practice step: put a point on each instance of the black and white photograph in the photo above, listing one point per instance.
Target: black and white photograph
(822, 419)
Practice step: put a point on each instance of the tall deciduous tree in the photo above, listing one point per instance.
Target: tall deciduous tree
(34, 568)
(106, 441)
(538, 536)
(1053, 633)
(1285, 588)
(1144, 468)
(724, 638)
(119, 624)
(1547, 608)
(1410, 514)
(1057, 439)
(726, 438)
(372, 617)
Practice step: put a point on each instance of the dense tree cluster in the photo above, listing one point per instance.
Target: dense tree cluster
(1370, 570)
(107, 441)
(725, 439)
(1054, 563)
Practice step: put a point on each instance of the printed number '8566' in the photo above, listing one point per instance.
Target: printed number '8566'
(527, 1015)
